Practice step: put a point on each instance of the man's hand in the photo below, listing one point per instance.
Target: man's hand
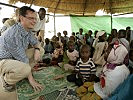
(36, 86)
(37, 55)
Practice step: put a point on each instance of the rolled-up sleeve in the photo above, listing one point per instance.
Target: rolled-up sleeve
(32, 39)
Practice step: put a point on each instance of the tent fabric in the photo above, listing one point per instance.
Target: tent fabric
(99, 23)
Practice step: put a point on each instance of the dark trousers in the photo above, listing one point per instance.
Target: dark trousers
(77, 81)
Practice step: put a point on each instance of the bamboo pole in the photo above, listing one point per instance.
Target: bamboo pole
(110, 5)
(54, 16)
(54, 25)
(31, 2)
(8, 5)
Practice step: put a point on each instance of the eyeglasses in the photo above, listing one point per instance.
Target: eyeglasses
(31, 18)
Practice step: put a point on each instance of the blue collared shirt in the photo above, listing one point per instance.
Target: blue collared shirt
(15, 41)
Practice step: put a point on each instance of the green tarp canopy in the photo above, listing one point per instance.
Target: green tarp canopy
(100, 23)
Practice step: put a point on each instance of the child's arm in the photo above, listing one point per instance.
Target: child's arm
(73, 63)
(61, 51)
(55, 54)
(93, 67)
(76, 68)
(93, 77)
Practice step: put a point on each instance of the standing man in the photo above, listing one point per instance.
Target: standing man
(14, 63)
(39, 28)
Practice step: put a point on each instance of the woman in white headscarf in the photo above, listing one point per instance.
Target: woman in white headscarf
(114, 71)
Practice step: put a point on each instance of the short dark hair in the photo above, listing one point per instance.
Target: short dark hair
(128, 28)
(42, 9)
(70, 42)
(23, 10)
(81, 29)
(86, 47)
(122, 33)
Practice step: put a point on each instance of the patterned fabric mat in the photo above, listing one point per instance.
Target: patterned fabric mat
(51, 87)
(64, 94)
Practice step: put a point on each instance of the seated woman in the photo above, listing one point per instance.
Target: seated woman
(112, 75)
(124, 90)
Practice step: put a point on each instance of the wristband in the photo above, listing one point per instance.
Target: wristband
(37, 49)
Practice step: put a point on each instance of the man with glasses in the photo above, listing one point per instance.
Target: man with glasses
(14, 63)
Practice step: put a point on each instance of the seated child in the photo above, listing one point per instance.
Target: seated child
(48, 46)
(72, 55)
(57, 56)
(72, 38)
(85, 69)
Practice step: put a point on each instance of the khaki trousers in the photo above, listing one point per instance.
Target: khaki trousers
(30, 55)
(15, 70)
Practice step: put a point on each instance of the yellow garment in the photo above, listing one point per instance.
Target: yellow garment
(91, 96)
(87, 96)
(81, 91)
(91, 89)
(95, 96)
(88, 84)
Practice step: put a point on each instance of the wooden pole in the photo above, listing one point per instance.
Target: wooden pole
(54, 25)
(8, 5)
(54, 16)
(84, 5)
(110, 5)
(31, 3)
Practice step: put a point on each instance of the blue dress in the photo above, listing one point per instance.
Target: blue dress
(124, 90)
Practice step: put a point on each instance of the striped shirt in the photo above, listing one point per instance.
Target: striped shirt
(14, 42)
(86, 69)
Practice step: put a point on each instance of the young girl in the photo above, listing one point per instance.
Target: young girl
(73, 38)
(72, 55)
(85, 68)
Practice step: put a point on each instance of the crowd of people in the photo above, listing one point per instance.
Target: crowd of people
(102, 61)
(98, 64)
